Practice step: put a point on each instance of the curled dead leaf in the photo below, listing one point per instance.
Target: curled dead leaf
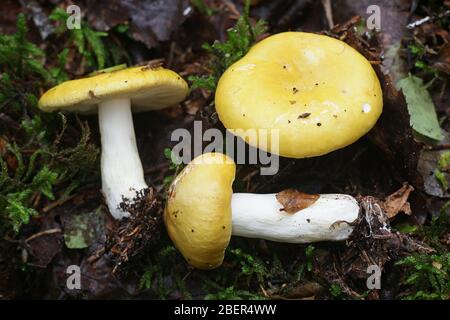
(293, 200)
(398, 202)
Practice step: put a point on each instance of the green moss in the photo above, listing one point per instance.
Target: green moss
(175, 166)
(40, 173)
(239, 40)
(34, 163)
(201, 6)
(251, 266)
(444, 160)
(441, 178)
(336, 291)
(232, 293)
(94, 46)
(159, 266)
(88, 41)
(19, 57)
(426, 277)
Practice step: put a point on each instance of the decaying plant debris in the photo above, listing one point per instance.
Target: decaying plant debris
(294, 200)
(49, 164)
(373, 242)
(139, 232)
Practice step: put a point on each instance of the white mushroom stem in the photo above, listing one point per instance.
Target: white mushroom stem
(260, 216)
(121, 168)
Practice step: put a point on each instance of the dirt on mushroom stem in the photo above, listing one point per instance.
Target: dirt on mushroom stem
(136, 234)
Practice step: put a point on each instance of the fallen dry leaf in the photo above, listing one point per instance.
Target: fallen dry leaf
(44, 248)
(305, 290)
(11, 160)
(3, 144)
(150, 21)
(294, 200)
(442, 62)
(398, 202)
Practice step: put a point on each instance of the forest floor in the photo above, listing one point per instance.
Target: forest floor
(52, 214)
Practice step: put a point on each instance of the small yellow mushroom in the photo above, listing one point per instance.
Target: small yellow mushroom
(198, 209)
(115, 95)
(202, 213)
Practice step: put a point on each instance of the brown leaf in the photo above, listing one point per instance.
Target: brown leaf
(8, 14)
(398, 202)
(150, 21)
(442, 62)
(294, 200)
(44, 248)
(10, 158)
(304, 290)
(3, 144)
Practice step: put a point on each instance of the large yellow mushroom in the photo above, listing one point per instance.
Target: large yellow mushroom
(318, 92)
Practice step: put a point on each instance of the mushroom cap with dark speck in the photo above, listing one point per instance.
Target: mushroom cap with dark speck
(328, 79)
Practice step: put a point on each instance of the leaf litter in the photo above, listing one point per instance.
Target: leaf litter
(129, 244)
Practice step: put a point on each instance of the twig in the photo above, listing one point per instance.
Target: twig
(328, 12)
(232, 8)
(43, 233)
(422, 21)
(96, 255)
(57, 203)
(150, 64)
(264, 291)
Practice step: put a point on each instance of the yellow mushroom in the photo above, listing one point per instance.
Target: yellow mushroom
(115, 95)
(318, 92)
(198, 209)
(202, 213)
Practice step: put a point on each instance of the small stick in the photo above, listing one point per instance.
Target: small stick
(422, 21)
(328, 12)
(57, 203)
(43, 233)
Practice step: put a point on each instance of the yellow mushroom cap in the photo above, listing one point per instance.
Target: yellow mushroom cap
(148, 88)
(320, 93)
(198, 209)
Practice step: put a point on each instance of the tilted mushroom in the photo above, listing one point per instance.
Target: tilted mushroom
(202, 213)
(115, 95)
(320, 93)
